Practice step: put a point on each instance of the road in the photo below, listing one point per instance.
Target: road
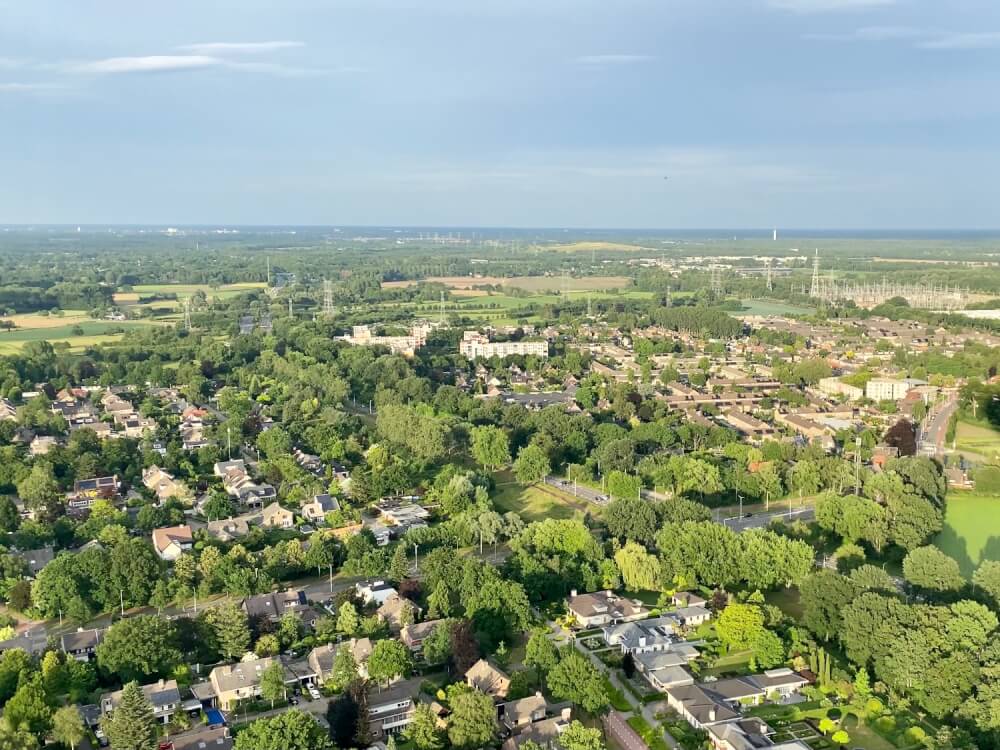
(763, 520)
(577, 490)
(932, 436)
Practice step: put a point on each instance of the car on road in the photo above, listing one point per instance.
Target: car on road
(314, 693)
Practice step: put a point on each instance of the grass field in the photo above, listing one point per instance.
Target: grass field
(591, 247)
(61, 330)
(971, 529)
(532, 503)
(770, 307)
(981, 440)
(185, 290)
(528, 283)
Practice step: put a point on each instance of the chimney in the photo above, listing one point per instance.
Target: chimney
(711, 714)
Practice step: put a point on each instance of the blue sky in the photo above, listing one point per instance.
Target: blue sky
(795, 113)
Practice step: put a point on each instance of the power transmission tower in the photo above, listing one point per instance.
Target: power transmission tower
(814, 288)
(327, 298)
(717, 281)
(441, 308)
(767, 265)
(187, 313)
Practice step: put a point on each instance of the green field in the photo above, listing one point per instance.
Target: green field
(982, 440)
(770, 307)
(532, 503)
(186, 290)
(971, 529)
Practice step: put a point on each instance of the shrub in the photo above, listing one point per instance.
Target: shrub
(835, 714)
(874, 708)
(885, 724)
(916, 734)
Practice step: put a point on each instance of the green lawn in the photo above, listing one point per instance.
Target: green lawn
(653, 739)
(770, 307)
(532, 503)
(971, 529)
(94, 332)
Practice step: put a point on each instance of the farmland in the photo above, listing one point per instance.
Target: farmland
(527, 283)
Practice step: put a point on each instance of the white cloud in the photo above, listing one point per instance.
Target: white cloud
(600, 60)
(145, 64)
(827, 6)
(963, 41)
(238, 48)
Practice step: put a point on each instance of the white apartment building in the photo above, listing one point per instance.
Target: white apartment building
(887, 389)
(475, 344)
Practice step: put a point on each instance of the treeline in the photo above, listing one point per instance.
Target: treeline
(705, 321)
(63, 296)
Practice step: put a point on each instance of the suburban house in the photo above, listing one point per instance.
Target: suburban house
(316, 509)
(163, 484)
(321, 658)
(82, 644)
(391, 709)
(231, 683)
(665, 669)
(516, 715)
(657, 634)
(274, 605)
(229, 529)
(398, 611)
(36, 559)
(748, 734)
(603, 608)
(163, 695)
(41, 445)
(86, 491)
(172, 541)
(377, 591)
(276, 517)
(7, 410)
(687, 599)
(488, 679)
(544, 733)
(708, 703)
(413, 635)
(203, 738)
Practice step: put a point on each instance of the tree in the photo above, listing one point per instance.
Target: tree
(841, 737)
(232, 630)
(272, 683)
(29, 707)
(540, 652)
(473, 721)
(16, 738)
(930, 568)
(464, 647)
(862, 685)
(739, 625)
(131, 725)
(621, 484)
(140, 647)
(532, 465)
(578, 737)
(640, 570)
(389, 659)
(345, 668)
(68, 727)
(423, 730)
(824, 595)
(436, 647)
(348, 621)
(291, 730)
(903, 436)
(39, 489)
(575, 679)
(342, 717)
(987, 577)
(630, 518)
(490, 447)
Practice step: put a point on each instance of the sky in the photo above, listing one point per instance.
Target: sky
(532, 113)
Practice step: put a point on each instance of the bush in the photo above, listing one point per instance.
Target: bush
(885, 724)
(874, 708)
(835, 714)
(916, 734)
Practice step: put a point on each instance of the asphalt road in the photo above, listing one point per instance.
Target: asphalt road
(577, 490)
(932, 437)
(763, 520)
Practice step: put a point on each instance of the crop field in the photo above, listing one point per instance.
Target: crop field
(971, 529)
(982, 440)
(185, 290)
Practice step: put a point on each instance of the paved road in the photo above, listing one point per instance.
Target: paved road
(932, 437)
(763, 520)
(577, 490)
